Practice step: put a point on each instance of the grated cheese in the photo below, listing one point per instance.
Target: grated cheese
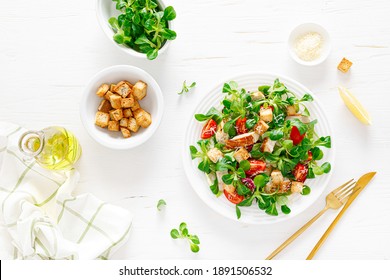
(308, 46)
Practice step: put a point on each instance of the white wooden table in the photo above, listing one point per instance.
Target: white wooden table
(50, 49)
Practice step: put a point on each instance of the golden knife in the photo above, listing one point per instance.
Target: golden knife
(360, 185)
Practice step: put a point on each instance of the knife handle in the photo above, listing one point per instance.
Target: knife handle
(296, 234)
(333, 224)
(326, 234)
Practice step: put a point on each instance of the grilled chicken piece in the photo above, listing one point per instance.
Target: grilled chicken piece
(242, 140)
(266, 114)
(221, 185)
(268, 145)
(220, 135)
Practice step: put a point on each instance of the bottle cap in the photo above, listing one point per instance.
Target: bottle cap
(31, 143)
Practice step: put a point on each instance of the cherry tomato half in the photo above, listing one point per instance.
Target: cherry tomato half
(296, 136)
(256, 167)
(241, 126)
(234, 197)
(209, 129)
(300, 172)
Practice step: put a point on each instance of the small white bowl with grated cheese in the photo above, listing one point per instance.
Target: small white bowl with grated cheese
(309, 44)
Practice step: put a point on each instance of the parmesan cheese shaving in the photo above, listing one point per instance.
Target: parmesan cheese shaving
(308, 46)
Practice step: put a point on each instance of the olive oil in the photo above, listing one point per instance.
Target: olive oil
(54, 148)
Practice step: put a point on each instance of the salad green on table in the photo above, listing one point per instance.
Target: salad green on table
(261, 147)
(183, 233)
(186, 88)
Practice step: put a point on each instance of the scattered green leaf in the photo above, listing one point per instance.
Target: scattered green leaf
(186, 88)
(160, 204)
(182, 233)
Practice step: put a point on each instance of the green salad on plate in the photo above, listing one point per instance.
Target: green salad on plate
(260, 147)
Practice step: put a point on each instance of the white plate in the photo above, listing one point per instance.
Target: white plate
(198, 180)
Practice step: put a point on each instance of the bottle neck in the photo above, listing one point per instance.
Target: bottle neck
(31, 143)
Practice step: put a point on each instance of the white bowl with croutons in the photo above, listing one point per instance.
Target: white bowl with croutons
(122, 107)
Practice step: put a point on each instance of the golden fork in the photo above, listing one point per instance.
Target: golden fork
(334, 200)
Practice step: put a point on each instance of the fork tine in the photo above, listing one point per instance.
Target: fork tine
(346, 189)
(346, 194)
(343, 200)
(342, 186)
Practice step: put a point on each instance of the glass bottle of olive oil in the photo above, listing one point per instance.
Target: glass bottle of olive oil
(53, 147)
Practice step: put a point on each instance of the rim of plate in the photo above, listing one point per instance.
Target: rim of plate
(253, 215)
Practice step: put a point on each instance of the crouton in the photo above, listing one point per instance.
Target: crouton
(143, 118)
(296, 187)
(285, 186)
(104, 106)
(123, 89)
(116, 115)
(258, 95)
(282, 188)
(116, 101)
(102, 119)
(135, 106)
(107, 95)
(113, 125)
(266, 114)
(139, 90)
(127, 113)
(268, 145)
(214, 155)
(102, 90)
(261, 127)
(124, 122)
(291, 111)
(128, 102)
(242, 140)
(125, 132)
(277, 177)
(270, 188)
(119, 110)
(129, 84)
(241, 154)
(344, 65)
(133, 125)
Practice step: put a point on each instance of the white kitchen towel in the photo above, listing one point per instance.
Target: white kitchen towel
(41, 219)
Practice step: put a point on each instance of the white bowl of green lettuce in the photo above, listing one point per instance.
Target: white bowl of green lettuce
(144, 33)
